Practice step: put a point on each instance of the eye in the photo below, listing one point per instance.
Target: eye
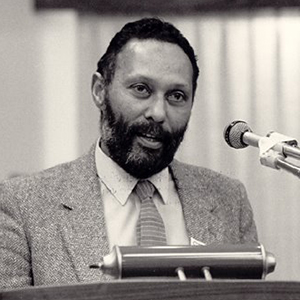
(141, 90)
(176, 97)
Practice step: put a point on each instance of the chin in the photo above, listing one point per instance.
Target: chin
(140, 156)
(142, 163)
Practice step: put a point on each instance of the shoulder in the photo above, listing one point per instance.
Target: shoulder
(210, 185)
(48, 183)
(208, 177)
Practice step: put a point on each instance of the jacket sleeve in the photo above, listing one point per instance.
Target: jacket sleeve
(248, 232)
(15, 270)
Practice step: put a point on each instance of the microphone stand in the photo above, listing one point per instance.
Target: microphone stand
(287, 166)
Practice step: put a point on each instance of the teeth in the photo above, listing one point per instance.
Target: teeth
(151, 137)
(150, 141)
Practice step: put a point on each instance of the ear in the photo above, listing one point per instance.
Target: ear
(98, 89)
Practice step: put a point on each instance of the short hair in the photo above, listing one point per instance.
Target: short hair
(146, 28)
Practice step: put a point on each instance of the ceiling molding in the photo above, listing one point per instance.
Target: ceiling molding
(159, 6)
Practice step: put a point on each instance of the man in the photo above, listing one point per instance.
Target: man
(56, 223)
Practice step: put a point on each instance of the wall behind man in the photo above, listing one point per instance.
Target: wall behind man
(249, 70)
(21, 147)
(39, 89)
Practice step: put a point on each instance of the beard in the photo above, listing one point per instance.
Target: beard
(119, 137)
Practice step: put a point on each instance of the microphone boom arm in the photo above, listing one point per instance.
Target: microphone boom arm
(287, 166)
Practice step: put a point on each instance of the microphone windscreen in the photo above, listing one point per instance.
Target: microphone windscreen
(233, 134)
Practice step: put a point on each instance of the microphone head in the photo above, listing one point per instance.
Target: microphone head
(233, 134)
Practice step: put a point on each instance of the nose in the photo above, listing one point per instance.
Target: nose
(156, 110)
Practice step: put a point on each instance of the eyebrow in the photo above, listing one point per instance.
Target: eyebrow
(143, 78)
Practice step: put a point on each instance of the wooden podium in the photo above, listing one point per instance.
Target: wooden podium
(161, 290)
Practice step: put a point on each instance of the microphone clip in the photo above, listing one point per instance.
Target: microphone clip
(271, 148)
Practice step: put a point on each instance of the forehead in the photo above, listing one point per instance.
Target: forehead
(154, 58)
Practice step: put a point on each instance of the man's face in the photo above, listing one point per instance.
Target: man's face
(147, 106)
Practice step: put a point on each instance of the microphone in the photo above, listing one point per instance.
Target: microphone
(239, 135)
(246, 261)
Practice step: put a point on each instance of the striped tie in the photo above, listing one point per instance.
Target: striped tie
(150, 227)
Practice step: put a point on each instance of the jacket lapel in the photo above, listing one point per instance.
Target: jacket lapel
(83, 226)
(199, 206)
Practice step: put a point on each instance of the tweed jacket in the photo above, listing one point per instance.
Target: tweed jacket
(52, 223)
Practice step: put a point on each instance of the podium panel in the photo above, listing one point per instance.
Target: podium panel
(162, 289)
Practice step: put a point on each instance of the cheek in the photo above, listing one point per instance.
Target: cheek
(128, 111)
(126, 107)
(178, 118)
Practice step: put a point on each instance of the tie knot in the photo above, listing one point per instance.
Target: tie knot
(145, 189)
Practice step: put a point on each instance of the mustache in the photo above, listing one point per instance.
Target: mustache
(150, 128)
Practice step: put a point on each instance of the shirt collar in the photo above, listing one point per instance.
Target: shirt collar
(120, 183)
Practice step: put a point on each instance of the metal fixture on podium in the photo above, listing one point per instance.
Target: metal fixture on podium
(209, 262)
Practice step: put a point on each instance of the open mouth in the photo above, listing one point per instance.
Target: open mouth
(149, 141)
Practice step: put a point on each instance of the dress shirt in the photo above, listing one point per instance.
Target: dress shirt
(122, 206)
